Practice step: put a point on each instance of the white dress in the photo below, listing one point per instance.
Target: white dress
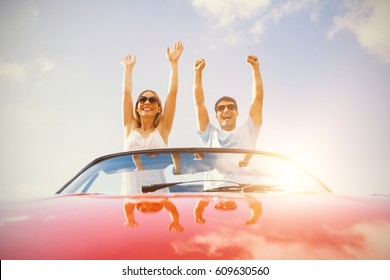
(133, 181)
(135, 141)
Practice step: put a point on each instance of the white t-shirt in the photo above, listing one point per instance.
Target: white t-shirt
(244, 137)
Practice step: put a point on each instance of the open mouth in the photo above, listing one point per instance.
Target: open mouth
(227, 118)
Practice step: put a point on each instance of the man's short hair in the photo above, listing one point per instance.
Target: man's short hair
(225, 98)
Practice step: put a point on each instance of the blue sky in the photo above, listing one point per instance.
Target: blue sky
(325, 67)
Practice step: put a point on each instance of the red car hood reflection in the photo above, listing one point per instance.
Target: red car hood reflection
(183, 226)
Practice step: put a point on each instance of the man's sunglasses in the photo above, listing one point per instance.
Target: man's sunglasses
(143, 99)
(221, 108)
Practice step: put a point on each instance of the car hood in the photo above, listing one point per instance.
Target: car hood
(197, 226)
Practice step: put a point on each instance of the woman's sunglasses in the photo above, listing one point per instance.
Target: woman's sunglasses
(221, 108)
(143, 99)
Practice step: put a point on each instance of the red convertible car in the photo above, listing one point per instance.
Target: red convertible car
(195, 203)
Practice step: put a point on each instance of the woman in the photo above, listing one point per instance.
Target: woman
(147, 125)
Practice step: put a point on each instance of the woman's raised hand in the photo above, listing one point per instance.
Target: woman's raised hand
(174, 54)
(128, 60)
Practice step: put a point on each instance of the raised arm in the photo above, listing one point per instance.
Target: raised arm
(202, 116)
(256, 107)
(170, 103)
(128, 63)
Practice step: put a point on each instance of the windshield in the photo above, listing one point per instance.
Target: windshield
(192, 170)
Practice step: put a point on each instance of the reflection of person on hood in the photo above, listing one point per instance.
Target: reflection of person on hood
(150, 206)
(228, 205)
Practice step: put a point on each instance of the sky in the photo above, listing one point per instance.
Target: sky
(325, 67)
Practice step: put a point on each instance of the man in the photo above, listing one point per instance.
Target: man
(229, 135)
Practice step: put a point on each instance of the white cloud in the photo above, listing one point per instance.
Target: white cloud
(369, 20)
(256, 12)
(258, 28)
(228, 11)
(34, 13)
(45, 66)
(283, 9)
(293, 6)
(16, 72)
(13, 71)
(233, 37)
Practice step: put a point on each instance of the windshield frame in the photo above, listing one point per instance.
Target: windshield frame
(199, 150)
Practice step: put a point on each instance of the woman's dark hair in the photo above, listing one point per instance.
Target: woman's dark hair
(158, 115)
